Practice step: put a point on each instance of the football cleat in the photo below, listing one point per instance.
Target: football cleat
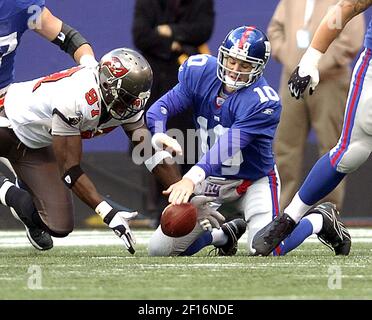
(39, 238)
(22, 210)
(334, 233)
(234, 229)
(270, 236)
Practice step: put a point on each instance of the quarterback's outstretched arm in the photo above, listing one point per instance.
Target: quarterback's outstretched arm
(334, 22)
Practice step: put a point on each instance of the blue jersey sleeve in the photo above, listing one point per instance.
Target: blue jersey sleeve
(27, 3)
(178, 99)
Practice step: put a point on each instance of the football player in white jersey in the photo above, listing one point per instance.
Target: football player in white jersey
(47, 120)
(16, 17)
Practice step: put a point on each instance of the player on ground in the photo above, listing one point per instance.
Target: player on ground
(236, 113)
(355, 143)
(15, 18)
(48, 118)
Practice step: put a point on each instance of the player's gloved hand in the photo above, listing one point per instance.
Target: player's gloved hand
(118, 222)
(208, 217)
(88, 61)
(180, 191)
(306, 74)
(161, 141)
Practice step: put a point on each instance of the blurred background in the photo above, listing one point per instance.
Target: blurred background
(107, 25)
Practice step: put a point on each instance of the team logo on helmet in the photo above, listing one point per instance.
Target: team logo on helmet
(115, 67)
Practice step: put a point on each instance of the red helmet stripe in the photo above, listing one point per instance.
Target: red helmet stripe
(245, 36)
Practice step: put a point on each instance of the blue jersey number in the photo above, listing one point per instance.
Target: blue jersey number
(7, 45)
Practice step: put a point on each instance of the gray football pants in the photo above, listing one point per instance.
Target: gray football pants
(38, 170)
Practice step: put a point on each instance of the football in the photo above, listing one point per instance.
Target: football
(178, 220)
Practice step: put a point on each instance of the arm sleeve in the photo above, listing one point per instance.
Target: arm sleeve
(63, 125)
(200, 30)
(67, 117)
(144, 33)
(175, 101)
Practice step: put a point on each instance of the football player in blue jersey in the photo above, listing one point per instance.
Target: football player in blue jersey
(354, 145)
(17, 16)
(236, 113)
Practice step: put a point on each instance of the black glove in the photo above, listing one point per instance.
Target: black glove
(297, 84)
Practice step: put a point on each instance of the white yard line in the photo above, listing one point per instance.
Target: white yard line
(107, 237)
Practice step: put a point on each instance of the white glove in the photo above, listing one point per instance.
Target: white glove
(88, 61)
(208, 217)
(161, 141)
(121, 228)
(306, 74)
(118, 222)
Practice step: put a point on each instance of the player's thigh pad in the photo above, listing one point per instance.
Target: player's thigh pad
(39, 171)
(259, 206)
(355, 143)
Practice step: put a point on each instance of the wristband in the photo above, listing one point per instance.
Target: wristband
(195, 174)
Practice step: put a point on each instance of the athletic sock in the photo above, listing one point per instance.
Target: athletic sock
(321, 180)
(311, 224)
(205, 239)
(316, 220)
(302, 231)
(5, 186)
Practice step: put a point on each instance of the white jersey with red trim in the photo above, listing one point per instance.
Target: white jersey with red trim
(64, 103)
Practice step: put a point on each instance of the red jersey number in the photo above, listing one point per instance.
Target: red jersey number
(91, 96)
(56, 76)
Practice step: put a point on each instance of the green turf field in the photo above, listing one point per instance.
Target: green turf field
(108, 272)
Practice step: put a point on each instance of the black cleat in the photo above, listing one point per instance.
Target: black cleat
(269, 237)
(40, 239)
(234, 229)
(22, 208)
(334, 233)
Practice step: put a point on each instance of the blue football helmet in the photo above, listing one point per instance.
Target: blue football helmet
(246, 43)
